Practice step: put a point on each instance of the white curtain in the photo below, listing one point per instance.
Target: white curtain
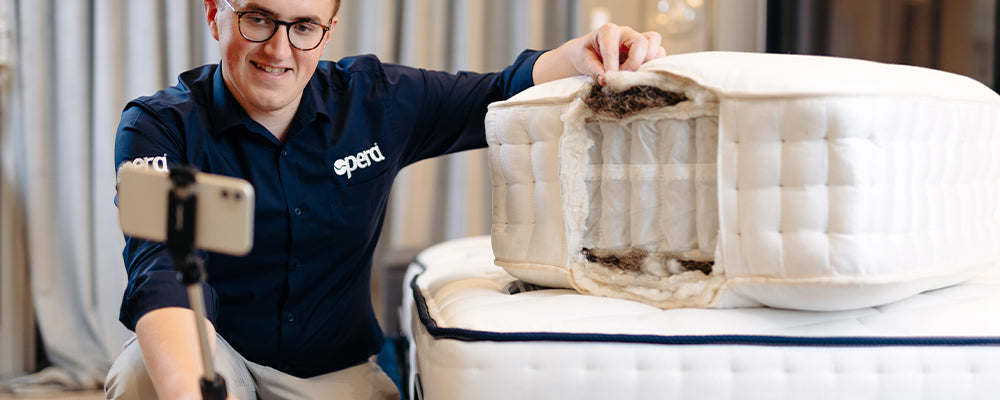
(73, 64)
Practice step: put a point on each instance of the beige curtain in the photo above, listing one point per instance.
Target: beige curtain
(74, 64)
(16, 341)
(70, 68)
(450, 197)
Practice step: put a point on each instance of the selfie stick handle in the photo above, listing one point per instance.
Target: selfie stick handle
(180, 243)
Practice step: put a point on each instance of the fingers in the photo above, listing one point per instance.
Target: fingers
(643, 47)
(638, 46)
(610, 41)
(594, 67)
(655, 49)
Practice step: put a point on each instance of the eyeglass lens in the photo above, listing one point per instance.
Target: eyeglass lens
(258, 27)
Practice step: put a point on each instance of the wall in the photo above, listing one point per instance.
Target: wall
(687, 25)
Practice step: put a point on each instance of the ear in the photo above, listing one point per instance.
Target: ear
(329, 34)
(211, 11)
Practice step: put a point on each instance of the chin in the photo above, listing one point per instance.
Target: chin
(266, 102)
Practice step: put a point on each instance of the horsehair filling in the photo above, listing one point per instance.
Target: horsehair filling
(607, 102)
(633, 259)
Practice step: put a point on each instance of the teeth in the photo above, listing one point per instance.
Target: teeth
(272, 70)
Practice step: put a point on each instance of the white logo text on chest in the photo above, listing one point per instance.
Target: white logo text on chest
(362, 160)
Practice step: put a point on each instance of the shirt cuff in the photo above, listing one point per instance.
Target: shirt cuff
(161, 289)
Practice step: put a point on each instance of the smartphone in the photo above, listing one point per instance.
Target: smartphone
(223, 209)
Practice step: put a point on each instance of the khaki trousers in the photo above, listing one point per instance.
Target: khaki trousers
(128, 379)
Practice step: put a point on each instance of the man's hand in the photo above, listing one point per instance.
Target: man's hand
(606, 49)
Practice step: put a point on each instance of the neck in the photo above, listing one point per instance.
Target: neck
(276, 122)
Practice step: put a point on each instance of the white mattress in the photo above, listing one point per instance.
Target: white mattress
(470, 339)
(813, 183)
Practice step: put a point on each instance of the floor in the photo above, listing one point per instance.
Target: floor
(385, 302)
(84, 395)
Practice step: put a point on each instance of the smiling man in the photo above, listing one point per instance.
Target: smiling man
(267, 76)
(321, 142)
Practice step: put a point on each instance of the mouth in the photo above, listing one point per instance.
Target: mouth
(269, 69)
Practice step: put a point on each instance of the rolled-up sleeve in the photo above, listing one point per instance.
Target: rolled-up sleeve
(153, 282)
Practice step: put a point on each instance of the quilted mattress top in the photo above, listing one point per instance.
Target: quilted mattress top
(759, 76)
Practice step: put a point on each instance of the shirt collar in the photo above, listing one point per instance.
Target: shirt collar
(228, 113)
(313, 97)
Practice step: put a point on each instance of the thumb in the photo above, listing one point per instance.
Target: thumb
(594, 67)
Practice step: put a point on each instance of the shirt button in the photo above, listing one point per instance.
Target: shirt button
(284, 153)
(291, 317)
(298, 211)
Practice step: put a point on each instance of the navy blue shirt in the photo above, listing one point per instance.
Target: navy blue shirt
(300, 301)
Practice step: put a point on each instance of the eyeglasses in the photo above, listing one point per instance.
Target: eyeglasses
(259, 27)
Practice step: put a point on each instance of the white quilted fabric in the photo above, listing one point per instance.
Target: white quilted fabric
(808, 182)
(464, 294)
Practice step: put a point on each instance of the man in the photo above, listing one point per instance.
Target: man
(294, 318)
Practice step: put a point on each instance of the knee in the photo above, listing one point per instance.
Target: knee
(128, 377)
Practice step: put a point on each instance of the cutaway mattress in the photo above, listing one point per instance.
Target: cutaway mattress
(470, 339)
(737, 179)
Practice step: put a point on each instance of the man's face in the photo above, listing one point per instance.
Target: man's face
(267, 78)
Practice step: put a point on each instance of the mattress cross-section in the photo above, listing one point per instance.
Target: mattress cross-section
(735, 179)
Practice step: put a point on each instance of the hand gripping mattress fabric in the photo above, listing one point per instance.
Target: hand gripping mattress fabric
(737, 179)
(476, 332)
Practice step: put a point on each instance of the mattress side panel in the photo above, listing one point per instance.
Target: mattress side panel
(451, 369)
(527, 230)
(867, 187)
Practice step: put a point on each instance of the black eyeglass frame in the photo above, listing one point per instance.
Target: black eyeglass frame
(277, 24)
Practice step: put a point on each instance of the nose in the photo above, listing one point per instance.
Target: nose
(279, 47)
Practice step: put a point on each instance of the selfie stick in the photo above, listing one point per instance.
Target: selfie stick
(180, 242)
